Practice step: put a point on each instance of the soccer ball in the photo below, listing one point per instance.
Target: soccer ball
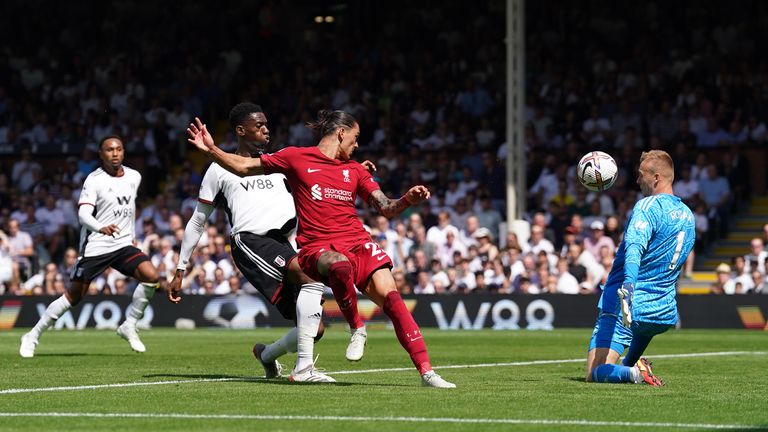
(597, 171)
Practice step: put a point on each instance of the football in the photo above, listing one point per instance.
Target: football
(597, 171)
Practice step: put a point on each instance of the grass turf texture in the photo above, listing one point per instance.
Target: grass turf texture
(712, 390)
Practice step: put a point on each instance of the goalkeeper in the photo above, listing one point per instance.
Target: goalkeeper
(638, 300)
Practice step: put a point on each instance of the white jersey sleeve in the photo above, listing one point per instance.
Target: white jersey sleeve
(210, 186)
(89, 192)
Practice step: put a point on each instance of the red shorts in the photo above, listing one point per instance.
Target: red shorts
(365, 256)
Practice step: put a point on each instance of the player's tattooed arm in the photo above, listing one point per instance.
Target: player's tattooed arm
(390, 208)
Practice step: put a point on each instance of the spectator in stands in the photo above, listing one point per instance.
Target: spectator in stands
(21, 250)
(756, 283)
(613, 229)
(452, 245)
(664, 123)
(597, 240)
(537, 241)
(401, 282)
(24, 170)
(629, 137)
(54, 224)
(715, 192)
(7, 266)
(566, 282)
(423, 283)
(686, 187)
(723, 280)
(596, 129)
(756, 258)
(594, 271)
(735, 168)
(489, 217)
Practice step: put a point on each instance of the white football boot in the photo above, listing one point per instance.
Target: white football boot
(28, 345)
(356, 346)
(130, 334)
(432, 379)
(310, 375)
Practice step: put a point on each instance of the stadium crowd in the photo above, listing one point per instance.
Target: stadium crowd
(428, 89)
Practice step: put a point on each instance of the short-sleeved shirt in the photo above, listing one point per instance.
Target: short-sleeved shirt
(255, 204)
(18, 243)
(325, 191)
(114, 202)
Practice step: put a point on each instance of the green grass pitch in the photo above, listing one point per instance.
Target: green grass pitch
(208, 380)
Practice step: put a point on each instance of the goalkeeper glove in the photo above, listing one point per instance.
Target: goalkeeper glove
(625, 294)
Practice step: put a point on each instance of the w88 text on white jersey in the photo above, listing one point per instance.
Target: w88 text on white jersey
(114, 201)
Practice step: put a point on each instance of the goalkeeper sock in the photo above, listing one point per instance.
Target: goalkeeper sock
(636, 348)
(611, 373)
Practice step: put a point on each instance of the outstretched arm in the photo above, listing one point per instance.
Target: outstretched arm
(390, 208)
(192, 233)
(199, 136)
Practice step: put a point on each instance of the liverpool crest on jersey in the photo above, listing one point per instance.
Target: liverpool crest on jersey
(345, 173)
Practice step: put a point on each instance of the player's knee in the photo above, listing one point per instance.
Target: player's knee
(148, 274)
(341, 269)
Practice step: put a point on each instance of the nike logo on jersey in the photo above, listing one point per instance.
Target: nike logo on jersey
(310, 170)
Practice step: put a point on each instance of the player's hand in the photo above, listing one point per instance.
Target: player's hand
(110, 230)
(370, 166)
(625, 294)
(199, 136)
(174, 287)
(417, 194)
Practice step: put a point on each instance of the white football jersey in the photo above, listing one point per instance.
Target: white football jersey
(254, 204)
(114, 201)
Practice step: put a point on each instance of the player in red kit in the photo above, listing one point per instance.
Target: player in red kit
(334, 245)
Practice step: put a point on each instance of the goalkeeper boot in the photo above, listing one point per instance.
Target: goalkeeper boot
(648, 377)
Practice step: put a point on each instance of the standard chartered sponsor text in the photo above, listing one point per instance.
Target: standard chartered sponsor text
(337, 194)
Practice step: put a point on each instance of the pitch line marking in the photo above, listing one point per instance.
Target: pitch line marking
(388, 419)
(350, 372)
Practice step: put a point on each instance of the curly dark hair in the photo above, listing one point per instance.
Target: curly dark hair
(241, 112)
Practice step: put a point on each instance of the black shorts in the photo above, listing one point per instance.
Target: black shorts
(125, 260)
(263, 260)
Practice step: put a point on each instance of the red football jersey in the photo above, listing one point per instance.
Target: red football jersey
(324, 190)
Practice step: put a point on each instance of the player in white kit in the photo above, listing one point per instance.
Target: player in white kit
(107, 209)
(261, 212)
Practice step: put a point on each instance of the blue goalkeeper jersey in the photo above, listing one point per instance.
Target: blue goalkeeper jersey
(657, 240)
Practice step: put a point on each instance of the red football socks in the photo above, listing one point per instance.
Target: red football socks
(340, 280)
(407, 331)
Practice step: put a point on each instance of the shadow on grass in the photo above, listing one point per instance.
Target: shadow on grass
(284, 381)
(205, 376)
(78, 355)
